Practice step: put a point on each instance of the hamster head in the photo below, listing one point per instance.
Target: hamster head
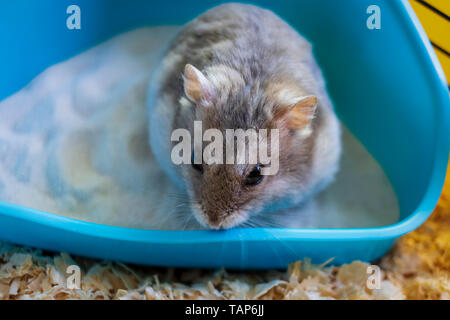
(225, 194)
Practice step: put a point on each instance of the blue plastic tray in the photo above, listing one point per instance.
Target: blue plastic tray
(387, 86)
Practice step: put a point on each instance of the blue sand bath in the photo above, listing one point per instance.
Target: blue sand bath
(387, 86)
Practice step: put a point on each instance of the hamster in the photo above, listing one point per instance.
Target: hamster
(241, 66)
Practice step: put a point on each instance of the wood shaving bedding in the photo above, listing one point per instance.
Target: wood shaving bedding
(29, 274)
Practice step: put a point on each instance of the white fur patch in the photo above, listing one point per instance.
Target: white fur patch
(305, 132)
(224, 77)
(288, 97)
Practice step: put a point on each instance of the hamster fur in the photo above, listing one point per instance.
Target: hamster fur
(241, 66)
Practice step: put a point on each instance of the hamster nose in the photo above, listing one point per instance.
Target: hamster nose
(214, 220)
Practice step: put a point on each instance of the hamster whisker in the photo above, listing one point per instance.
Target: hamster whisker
(187, 222)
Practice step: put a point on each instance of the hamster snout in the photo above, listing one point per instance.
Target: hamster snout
(222, 194)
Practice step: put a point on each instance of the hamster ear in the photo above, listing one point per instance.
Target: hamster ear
(196, 87)
(299, 114)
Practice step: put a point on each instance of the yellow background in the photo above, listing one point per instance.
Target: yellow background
(437, 28)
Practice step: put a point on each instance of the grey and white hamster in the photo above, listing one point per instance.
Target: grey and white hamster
(240, 66)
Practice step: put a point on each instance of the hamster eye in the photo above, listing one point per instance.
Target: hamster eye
(255, 176)
(196, 166)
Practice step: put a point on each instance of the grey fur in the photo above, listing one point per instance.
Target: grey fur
(251, 56)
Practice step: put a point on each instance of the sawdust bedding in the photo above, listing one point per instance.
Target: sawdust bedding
(418, 267)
